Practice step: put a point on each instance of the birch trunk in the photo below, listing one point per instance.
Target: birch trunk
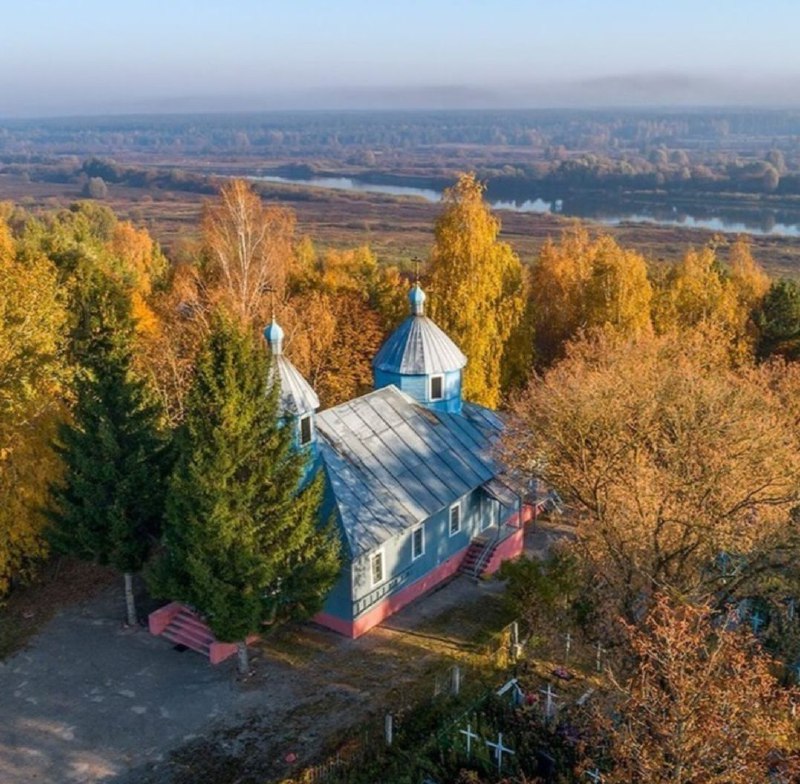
(130, 602)
(242, 658)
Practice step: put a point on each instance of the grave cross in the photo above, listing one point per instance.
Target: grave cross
(756, 621)
(594, 775)
(470, 735)
(499, 750)
(600, 651)
(550, 696)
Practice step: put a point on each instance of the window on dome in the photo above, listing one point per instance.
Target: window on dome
(437, 387)
(305, 430)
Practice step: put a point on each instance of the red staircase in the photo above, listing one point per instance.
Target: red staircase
(478, 556)
(187, 628)
(182, 626)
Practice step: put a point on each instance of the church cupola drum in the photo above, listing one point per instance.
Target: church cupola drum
(421, 360)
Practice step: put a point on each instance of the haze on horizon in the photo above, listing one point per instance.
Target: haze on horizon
(94, 57)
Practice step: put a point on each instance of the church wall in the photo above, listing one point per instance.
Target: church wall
(399, 568)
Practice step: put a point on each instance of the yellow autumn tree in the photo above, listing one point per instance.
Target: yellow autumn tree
(749, 280)
(699, 291)
(477, 287)
(585, 283)
(32, 379)
(141, 266)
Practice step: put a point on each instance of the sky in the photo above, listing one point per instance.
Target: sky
(68, 57)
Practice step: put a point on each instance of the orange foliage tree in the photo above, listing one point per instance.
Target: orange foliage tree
(701, 707)
(669, 457)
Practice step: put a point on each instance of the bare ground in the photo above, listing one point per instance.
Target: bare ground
(91, 700)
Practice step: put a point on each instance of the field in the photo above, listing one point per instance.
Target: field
(397, 228)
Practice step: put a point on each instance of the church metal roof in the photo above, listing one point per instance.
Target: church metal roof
(418, 347)
(297, 396)
(393, 463)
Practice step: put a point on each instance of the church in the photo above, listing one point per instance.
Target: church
(410, 474)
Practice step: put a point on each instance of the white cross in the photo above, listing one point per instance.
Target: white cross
(550, 694)
(594, 775)
(499, 750)
(600, 651)
(470, 737)
(757, 621)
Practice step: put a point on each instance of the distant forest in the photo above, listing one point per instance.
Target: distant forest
(675, 152)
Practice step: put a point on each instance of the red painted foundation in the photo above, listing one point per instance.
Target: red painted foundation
(510, 547)
(390, 605)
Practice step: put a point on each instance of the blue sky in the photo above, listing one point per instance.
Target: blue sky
(73, 56)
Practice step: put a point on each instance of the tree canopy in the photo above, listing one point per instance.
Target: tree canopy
(477, 287)
(669, 456)
(242, 541)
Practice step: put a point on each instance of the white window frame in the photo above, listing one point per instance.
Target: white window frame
(300, 429)
(456, 505)
(430, 386)
(378, 554)
(493, 517)
(414, 530)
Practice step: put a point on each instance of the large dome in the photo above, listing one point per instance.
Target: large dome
(418, 348)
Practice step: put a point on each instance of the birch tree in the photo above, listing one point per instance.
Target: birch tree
(477, 288)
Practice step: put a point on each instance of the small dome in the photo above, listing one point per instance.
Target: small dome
(297, 395)
(417, 299)
(274, 335)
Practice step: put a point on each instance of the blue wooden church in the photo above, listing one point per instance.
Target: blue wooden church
(410, 474)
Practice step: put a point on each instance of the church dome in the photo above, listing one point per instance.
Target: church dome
(297, 395)
(274, 336)
(418, 347)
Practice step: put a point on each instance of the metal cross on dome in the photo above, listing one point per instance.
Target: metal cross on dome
(499, 750)
(416, 261)
(470, 735)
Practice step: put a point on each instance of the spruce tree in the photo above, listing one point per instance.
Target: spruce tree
(108, 506)
(242, 540)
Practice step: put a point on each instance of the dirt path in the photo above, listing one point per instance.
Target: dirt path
(90, 700)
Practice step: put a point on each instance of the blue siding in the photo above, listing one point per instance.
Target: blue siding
(399, 568)
(339, 602)
(417, 387)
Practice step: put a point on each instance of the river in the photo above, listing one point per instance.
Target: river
(765, 222)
